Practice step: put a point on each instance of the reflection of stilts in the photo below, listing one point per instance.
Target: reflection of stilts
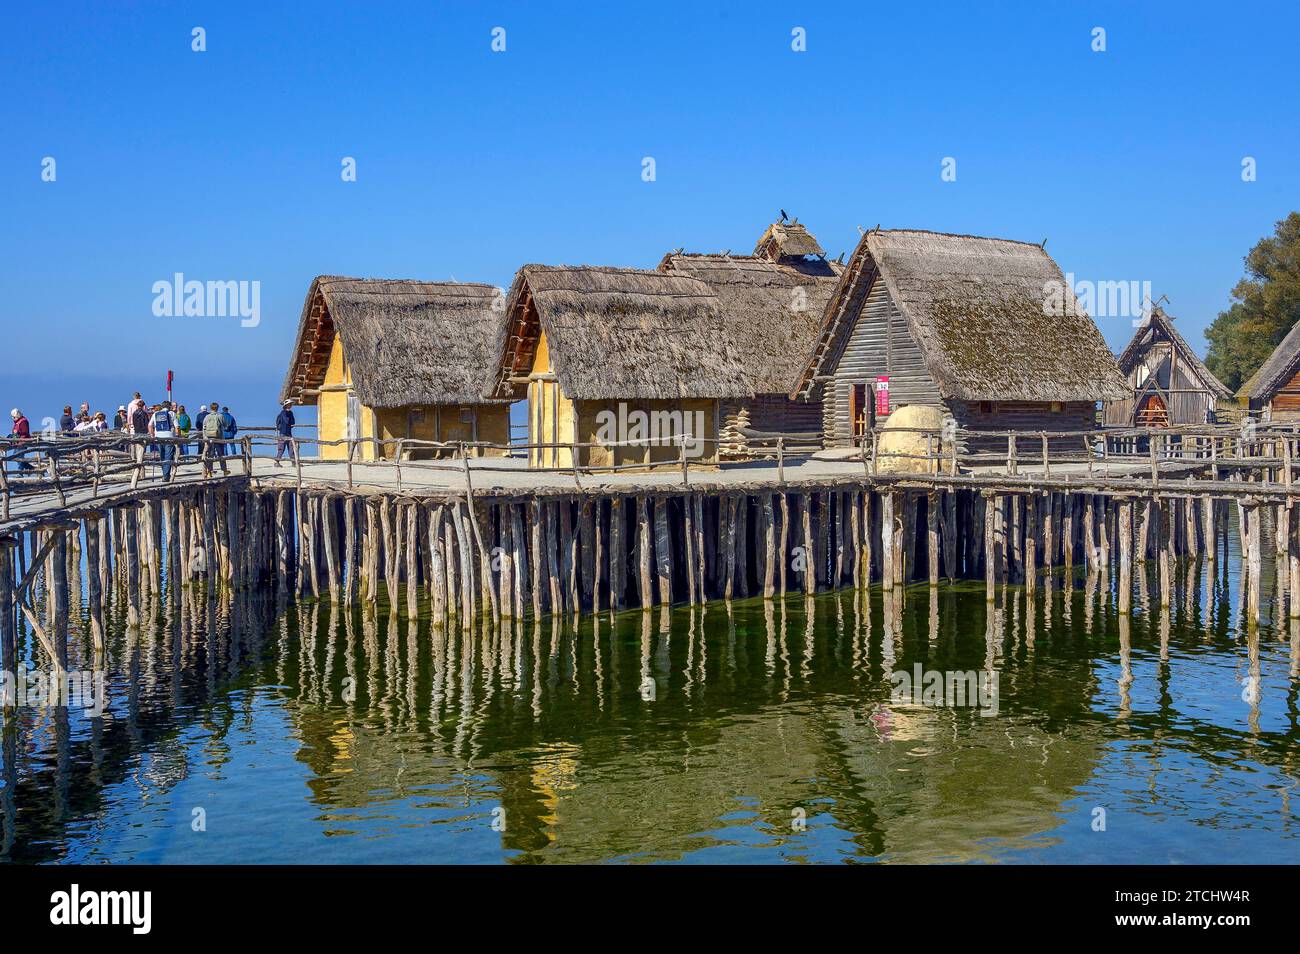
(1125, 681)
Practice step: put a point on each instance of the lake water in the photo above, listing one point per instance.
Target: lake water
(251, 732)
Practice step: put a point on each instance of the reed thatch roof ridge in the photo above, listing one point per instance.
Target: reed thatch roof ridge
(979, 310)
(774, 309)
(1164, 321)
(1278, 368)
(788, 239)
(407, 342)
(619, 333)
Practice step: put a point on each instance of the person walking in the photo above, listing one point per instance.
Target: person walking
(20, 431)
(213, 432)
(162, 427)
(183, 426)
(284, 433)
(137, 425)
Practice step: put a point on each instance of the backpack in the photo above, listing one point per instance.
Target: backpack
(162, 422)
(140, 421)
(212, 425)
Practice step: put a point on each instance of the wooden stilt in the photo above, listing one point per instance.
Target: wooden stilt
(990, 547)
(768, 524)
(643, 545)
(932, 536)
(1125, 544)
(1030, 559)
(94, 585)
(887, 501)
(437, 566)
(535, 554)
(617, 553)
(412, 563)
(663, 551)
(1165, 555)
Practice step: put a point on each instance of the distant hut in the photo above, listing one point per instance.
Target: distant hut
(1273, 392)
(393, 359)
(773, 300)
(986, 328)
(1168, 384)
(632, 360)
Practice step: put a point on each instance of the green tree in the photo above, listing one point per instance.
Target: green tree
(1265, 306)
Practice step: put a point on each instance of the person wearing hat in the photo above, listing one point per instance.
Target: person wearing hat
(284, 433)
(119, 419)
(21, 431)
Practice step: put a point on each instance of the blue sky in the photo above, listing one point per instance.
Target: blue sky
(225, 164)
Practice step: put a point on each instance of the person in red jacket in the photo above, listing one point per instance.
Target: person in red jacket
(22, 431)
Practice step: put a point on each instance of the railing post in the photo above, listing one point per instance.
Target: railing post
(464, 460)
(875, 454)
(352, 446)
(1011, 453)
(54, 474)
(297, 460)
(686, 475)
(1047, 457)
(4, 481)
(397, 461)
(780, 460)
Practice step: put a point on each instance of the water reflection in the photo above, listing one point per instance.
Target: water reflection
(735, 732)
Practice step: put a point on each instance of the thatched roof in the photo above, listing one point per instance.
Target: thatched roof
(1158, 320)
(774, 309)
(619, 333)
(1279, 368)
(406, 342)
(786, 240)
(978, 308)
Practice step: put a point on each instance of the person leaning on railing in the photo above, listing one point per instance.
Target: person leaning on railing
(21, 431)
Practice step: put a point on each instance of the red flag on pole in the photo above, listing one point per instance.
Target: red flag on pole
(169, 385)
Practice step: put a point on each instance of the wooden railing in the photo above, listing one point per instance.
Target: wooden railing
(111, 462)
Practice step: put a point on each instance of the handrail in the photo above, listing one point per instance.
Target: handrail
(61, 463)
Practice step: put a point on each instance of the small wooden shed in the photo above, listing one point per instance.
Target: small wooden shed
(1273, 392)
(986, 328)
(388, 359)
(1168, 384)
(627, 359)
(773, 300)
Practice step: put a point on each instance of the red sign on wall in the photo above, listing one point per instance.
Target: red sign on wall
(882, 395)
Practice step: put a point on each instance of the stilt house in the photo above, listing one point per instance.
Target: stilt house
(392, 359)
(1168, 384)
(1273, 392)
(631, 361)
(986, 328)
(773, 301)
